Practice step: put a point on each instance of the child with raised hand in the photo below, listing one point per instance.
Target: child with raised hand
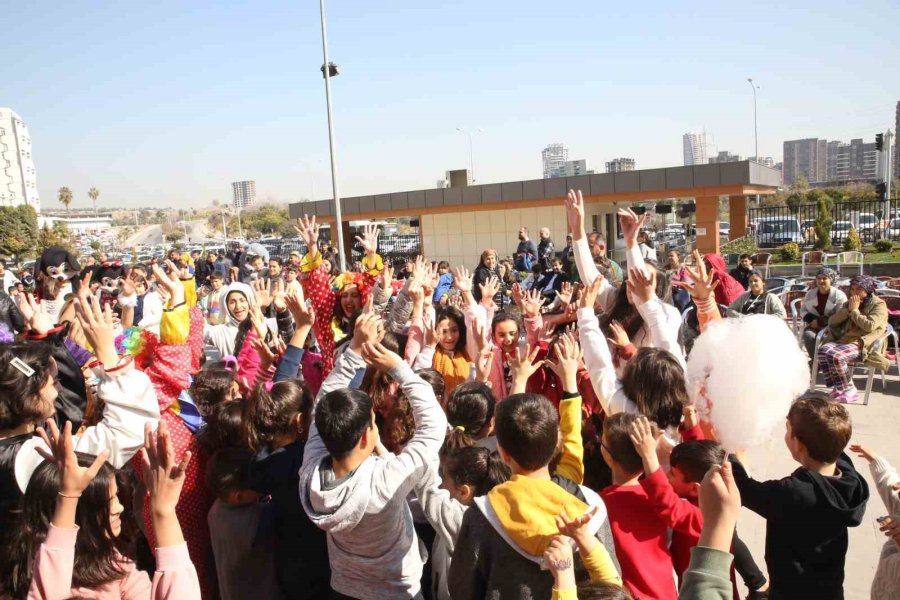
(639, 530)
(359, 498)
(807, 513)
(66, 542)
(276, 418)
(560, 560)
(502, 539)
(886, 583)
(653, 382)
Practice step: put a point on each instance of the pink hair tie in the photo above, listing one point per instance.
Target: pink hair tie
(268, 386)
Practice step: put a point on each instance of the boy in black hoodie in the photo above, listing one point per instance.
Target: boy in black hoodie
(743, 270)
(807, 514)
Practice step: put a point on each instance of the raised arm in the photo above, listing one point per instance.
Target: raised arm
(663, 331)
(568, 357)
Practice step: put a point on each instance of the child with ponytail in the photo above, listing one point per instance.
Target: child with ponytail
(276, 420)
(66, 538)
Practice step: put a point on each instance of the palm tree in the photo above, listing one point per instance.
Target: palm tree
(94, 193)
(65, 197)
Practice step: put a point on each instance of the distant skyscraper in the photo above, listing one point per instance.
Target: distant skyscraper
(804, 158)
(554, 158)
(695, 148)
(18, 181)
(617, 165)
(724, 156)
(244, 193)
(573, 168)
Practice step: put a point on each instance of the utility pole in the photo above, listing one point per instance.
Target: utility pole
(327, 73)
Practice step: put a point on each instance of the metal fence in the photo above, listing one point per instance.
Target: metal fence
(774, 226)
(392, 248)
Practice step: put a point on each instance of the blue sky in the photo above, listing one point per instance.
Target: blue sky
(166, 103)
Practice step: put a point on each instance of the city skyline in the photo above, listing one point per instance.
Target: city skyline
(142, 103)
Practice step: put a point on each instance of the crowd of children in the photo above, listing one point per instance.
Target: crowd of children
(316, 434)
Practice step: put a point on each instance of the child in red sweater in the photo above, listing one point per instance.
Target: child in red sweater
(640, 531)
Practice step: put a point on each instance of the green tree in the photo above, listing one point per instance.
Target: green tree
(58, 235)
(793, 202)
(65, 197)
(93, 194)
(174, 236)
(823, 218)
(18, 230)
(852, 241)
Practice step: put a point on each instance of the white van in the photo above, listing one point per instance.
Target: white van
(777, 231)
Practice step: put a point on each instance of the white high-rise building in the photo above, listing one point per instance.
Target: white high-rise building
(244, 193)
(18, 181)
(695, 152)
(554, 157)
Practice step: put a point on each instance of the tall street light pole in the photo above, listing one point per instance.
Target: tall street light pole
(471, 153)
(754, 87)
(327, 71)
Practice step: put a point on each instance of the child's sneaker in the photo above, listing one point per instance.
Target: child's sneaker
(851, 396)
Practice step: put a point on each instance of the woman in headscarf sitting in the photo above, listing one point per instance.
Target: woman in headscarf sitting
(852, 332)
(756, 300)
(820, 302)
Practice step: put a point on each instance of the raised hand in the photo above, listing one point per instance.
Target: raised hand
(73, 478)
(368, 329)
(268, 355)
(523, 367)
(619, 338)
(642, 284)
(388, 275)
(590, 293)
(578, 529)
(575, 214)
(379, 357)
(645, 442)
(531, 303)
(558, 558)
(369, 239)
(703, 285)
(35, 318)
(690, 416)
(276, 287)
(164, 476)
(462, 280)
(303, 314)
(262, 294)
(720, 504)
(517, 295)
(568, 359)
(864, 452)
(565, 293)
(489, 289)
(258, 321)
(308, 230)
(480, 331)
(98, 327)
(170, 282)
(483, 365)
(631, 225)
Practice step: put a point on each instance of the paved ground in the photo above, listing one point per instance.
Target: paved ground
(877, 426)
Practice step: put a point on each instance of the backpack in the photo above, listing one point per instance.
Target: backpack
(524, 261)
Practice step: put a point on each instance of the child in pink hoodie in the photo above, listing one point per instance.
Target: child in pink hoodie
(77, 555)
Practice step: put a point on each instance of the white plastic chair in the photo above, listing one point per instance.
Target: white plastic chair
(814, 259)
(868, 371)
(796, 322)
(851, 258)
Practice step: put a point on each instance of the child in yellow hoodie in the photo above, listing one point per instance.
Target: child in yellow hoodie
(500, 548)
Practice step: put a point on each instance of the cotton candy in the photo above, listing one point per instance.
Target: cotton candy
(743, 375)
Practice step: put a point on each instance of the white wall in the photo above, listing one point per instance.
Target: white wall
(460, 238)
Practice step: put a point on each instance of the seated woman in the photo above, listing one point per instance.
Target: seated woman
(852, 332)
(757, 301)
(820, 303)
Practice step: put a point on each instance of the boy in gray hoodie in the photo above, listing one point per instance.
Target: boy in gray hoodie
(357, 497)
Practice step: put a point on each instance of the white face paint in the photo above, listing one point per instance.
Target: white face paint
(60, 273)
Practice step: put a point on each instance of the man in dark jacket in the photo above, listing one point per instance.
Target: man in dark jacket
(526, 251)
(545, 250)
(743, 271)
(10, 314)
(203, 268)
(807, 513)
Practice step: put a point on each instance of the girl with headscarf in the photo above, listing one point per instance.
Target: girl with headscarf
(238, 305)
(756, 300)
(820, 302)
(852, 332)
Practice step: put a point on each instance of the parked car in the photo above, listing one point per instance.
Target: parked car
(839, 231)
(893, 229)
(724, 229)
(866, 224)
(777, 231)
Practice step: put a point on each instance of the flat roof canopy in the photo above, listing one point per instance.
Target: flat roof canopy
(719, 179)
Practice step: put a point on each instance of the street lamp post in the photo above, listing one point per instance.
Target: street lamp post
(754, 87)
(471, 153)
(224, 232)
(240, 228)
(326, 72)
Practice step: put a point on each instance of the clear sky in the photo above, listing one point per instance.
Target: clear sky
(165, 103)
